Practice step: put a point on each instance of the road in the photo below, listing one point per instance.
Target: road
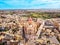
(40, 29)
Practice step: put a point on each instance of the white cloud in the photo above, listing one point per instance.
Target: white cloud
(34, 3)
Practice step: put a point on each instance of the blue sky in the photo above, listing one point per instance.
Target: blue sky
(29, 4)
